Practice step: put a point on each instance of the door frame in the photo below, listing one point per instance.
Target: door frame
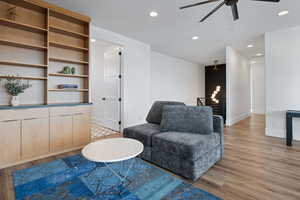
(121, 86)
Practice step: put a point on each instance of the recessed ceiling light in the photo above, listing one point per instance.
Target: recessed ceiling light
(250, 46)
(195, 38)
(93, 40)
(253, 62)
(259, 54)
(282, 13)
(153, 14)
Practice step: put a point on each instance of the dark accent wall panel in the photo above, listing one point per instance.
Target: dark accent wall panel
(216, 76)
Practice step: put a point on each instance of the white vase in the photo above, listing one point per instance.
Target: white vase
(15, 100)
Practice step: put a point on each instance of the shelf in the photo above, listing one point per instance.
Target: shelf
(22, 64)
(68, 32)
(24, 77)
(66, 46)
(19, 25)
(68, 61)
(68, 90)
(69, 75)
(22, 45)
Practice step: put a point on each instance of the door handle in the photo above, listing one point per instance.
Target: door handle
(103, 98)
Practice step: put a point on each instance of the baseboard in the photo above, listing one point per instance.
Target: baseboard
(279, 134)
(230, 122)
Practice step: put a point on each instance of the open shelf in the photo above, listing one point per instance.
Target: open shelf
(68, 90)
(66, 46)
(67, 32)
(24, 77)
(68, 61)
(22, 64)
(22, 45)
(19, 25)
(69, 75)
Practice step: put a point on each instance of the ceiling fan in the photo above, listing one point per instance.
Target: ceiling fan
(231, 3)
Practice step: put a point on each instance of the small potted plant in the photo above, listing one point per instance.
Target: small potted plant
(14, 87)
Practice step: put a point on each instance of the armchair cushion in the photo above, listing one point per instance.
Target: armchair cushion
(186, 146)
(155, 113)
(191, 119)
(143, 133)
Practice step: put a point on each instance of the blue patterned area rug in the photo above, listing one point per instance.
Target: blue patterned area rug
(75, 178)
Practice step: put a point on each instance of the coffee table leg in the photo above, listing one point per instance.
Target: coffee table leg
(119, 176)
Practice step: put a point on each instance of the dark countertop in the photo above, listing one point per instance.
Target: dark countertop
(42, 106)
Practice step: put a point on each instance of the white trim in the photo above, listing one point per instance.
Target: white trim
(230, 122)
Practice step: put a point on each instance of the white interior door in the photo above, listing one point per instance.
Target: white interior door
(111, 95)
(106, 88)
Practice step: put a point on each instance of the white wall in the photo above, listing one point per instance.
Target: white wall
(258, 86)
(282, 79)
(136, 75)
(176, 79)
(237, 86)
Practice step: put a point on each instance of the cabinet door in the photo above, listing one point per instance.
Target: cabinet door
(81, 127)
(35, 138)
(10, 137)
(61, 133)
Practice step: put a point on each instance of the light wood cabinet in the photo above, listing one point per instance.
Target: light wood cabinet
(33, 133)
(81, 127)
(35, 137)
(10, 137)
(61, 131)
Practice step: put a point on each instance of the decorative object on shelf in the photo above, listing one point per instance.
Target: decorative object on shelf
(67, 86)
(66, 70)
(14, 87)
(12, 13)
(73, 70)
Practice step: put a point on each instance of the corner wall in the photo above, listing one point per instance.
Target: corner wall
(237, 86)
(258, 86)
(176, 79)
(282, 75)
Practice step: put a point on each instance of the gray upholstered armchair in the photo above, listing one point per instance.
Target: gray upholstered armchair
(186, 140)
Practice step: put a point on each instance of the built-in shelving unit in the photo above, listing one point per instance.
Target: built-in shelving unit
(24, 77)
(69, 75)
(23, 26)
(63, 60)
(22, 64)
(68, 90)
(67, 32)
(22, 45)
(44, 38)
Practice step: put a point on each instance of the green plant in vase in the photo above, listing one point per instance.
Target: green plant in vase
(14, 87)
(73, 70)
(66, 70)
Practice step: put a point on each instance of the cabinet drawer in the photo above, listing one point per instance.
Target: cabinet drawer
(58, 111)
(81, 109)
(31, 113)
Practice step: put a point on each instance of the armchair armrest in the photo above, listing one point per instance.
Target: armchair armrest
(219, 128)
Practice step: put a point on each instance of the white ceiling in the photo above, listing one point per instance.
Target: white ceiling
(171, 32)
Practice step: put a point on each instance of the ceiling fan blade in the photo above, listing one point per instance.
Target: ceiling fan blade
(213, 11)
(235, 11)
(197, 4)
(272, 1)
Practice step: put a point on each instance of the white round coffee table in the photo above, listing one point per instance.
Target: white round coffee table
(113, 150)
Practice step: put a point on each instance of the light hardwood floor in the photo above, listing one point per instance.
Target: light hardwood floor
(254, 166)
